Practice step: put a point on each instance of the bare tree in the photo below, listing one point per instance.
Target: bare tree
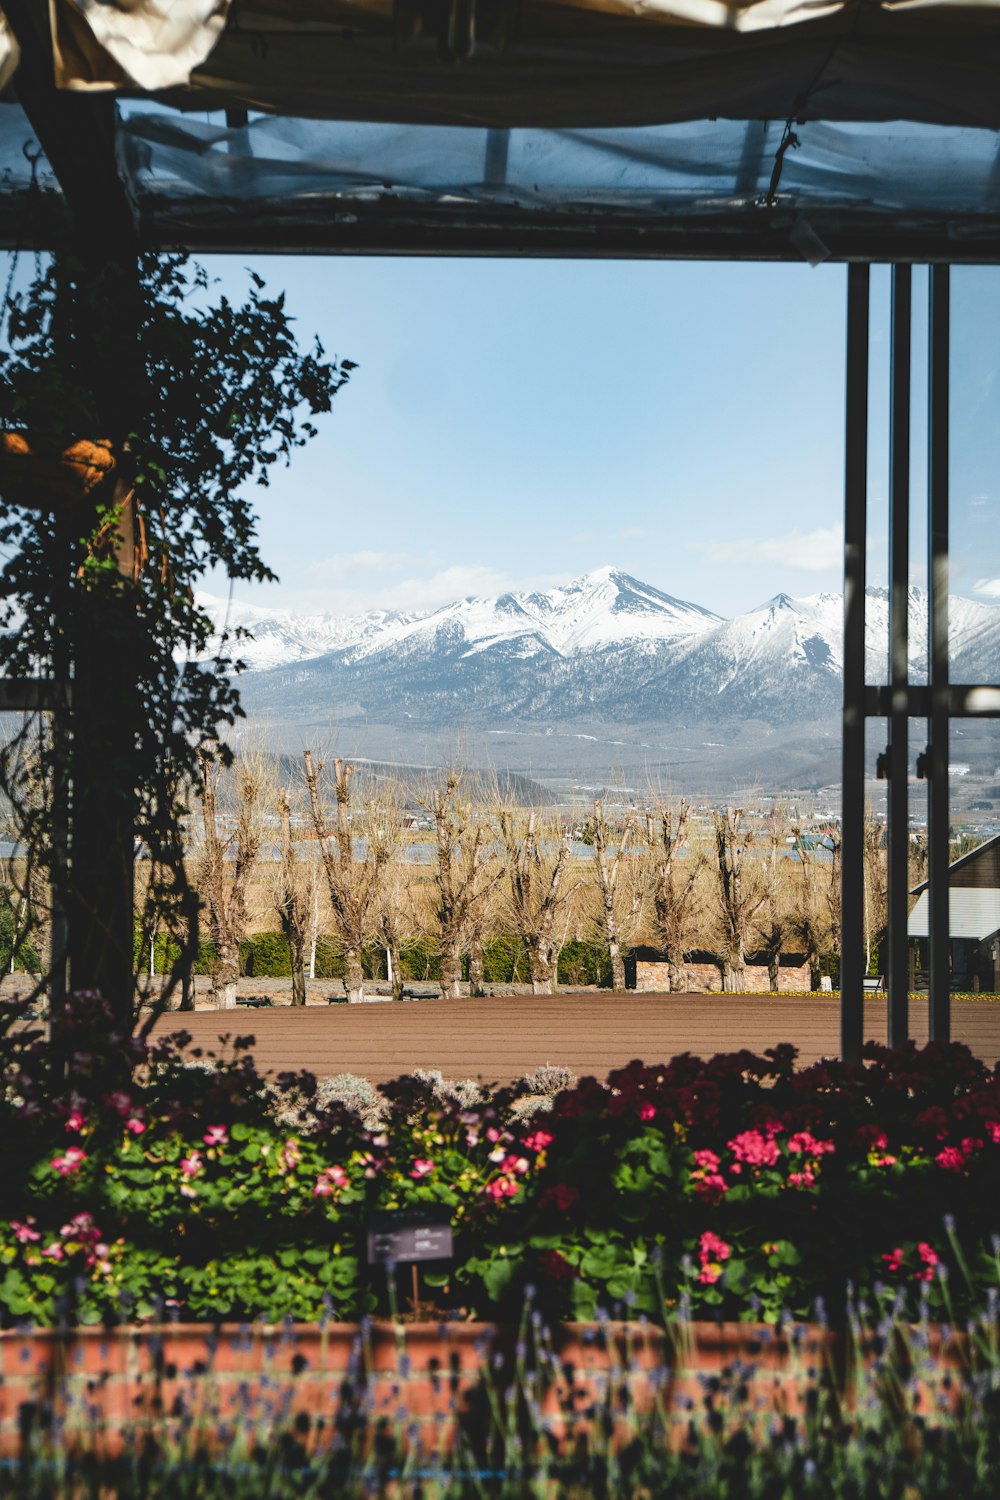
(355, 880)
(227, 864)
(672, 883)
(810, 913)
(775, 916)
(618, 887)
(740, 894)
(294, 898)
(536, 861)
(464, 876)
(876, 893)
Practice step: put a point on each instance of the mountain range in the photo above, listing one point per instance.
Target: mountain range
(605, 652)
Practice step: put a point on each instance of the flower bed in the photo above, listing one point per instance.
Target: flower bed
(734, 1187)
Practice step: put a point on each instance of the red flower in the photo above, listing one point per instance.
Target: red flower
(951, 1159)
(556, 1266)
(560, 1195)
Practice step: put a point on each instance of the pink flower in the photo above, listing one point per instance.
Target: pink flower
(808, 1144)
(191, 1165)
(539, 1139)
(119, 1102)
(970, 1146)
(893, 1259)
(24, 1233)
(216, 1135)
(930, 1258)
(513, 1163)
(707, 1159)
(53, 1252)
(711, 1247)
(289, 1156)
(80, 1227)
(950, 1159)
(329, 1181)
(187, 1190)
(70, 1161)
(647, 1110)
(711, 1186)
(802, 1179)
(74, 1120)
(753, 1148)
(422, 1167)
(492, 1133)
(501, 1187)
(135, 1126)
(710, 1272)
(993, 1126)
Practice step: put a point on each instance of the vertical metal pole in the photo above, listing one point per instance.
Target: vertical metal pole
(852, 965)
(937, 581)
(896, 962)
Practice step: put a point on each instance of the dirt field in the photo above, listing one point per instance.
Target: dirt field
(498, 1039)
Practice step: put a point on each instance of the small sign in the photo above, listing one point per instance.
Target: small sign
(409, 1234)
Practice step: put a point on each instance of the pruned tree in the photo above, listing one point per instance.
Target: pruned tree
(876, 893)
(740, 895)
(294, 898)
(355, 878)
(381, 828)
(228, 860)
(672, 883)
(810, 911)
(536, 863)
(619, 887)
(774, 920)
(467, 870)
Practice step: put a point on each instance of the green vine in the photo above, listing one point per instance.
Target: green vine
(229, 393)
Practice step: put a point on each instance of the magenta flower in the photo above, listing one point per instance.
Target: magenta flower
(502, 1187)
(70, 1161)
(951, 1159)
(329, 1181)
(706, 1159)
(755, 1149)
(135, 1126)
(191, 1165)
(74, 1120)
(930, 1258)
(893, 1259)
(802, 1179)
(513, 1163)
(647, 1110)
(216, 1135)
(711, 1253)
(808, 1144)
(422, 1167)
(539, 1139)
(23, 1233)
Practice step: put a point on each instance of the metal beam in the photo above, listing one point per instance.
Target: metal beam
(897, 968)
(852, 966)
(939, 1005)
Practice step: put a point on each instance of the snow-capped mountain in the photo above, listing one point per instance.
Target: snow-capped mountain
(605, 647)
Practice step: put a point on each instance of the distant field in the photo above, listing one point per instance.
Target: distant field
(497, 1039)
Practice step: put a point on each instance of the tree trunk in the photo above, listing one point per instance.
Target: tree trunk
(773, 972)
(540, 968)
(354, 978)
(392, 950)
(617, 965)
(225, 976)
(297, 949)
(477, 986)
(451, 971)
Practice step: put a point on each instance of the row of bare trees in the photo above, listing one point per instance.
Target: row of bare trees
(727, 884)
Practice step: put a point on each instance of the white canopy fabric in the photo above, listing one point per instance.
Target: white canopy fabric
(542, 63)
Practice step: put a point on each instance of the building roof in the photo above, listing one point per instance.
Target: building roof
(971, 914)
(776, 129)
(986, 853)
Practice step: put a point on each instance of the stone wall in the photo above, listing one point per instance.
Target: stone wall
(706, 978)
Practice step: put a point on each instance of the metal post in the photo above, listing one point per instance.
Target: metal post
(896, 962)
(939, 1003)
(852, 967)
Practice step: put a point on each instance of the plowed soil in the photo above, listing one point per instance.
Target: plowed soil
(499, 1039)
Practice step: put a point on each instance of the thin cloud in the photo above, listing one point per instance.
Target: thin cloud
(988, 586)
(347, 564)
(818, 551)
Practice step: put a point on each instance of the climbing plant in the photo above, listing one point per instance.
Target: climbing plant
(229, 393)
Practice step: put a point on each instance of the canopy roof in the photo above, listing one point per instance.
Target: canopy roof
(773, 128)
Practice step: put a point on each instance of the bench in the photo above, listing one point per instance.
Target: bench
(874, 986)
(411, 994)
(254, 1002)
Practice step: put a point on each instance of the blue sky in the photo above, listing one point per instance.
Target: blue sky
(515, 424)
